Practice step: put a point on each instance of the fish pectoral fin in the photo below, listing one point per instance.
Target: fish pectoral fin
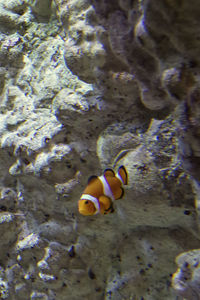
(105, 204)
(109, 172)
(123, 174)
(92, 178)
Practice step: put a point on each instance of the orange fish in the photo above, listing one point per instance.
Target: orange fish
(100, 193)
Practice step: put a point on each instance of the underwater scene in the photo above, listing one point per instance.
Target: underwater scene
(99, 150)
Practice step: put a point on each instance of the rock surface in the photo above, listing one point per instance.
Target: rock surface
(186, 279)
(86, 85)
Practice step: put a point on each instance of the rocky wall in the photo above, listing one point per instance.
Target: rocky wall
(86, 85)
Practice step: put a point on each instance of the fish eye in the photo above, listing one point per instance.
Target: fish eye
(86, 202)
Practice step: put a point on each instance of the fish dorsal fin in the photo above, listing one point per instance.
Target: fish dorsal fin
(122, 175)
(109, 172)
(92, 178)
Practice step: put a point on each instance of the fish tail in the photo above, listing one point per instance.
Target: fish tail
(122, 175)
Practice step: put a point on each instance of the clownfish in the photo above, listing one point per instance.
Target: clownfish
(101, 191)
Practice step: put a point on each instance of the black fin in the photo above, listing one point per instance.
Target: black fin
(124, 169)
(110, 210)
(91, 178)
(110, 170)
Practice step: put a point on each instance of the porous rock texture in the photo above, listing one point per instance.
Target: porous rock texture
(86, 85)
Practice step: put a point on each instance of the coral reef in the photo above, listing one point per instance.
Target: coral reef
(86, 85)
